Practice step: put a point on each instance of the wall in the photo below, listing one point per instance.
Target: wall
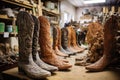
(80, 10)
(68, 10)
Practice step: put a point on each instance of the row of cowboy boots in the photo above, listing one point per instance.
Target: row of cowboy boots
(29, 35)
(110, 29)
(69, 42)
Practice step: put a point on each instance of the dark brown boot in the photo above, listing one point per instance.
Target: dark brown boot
(59, 41)
(74, 41)
(47, 53)
(56, 42)
(26, 64)
(64, 38)
(110, 29)
(70, 40)
(35, 53)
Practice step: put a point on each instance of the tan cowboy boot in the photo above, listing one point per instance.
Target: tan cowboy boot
(110, 29)
(69, 40)
(56, 41)
(48, 55)
(74, 41)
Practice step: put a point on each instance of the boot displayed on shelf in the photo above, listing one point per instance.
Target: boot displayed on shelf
(69, 40)
(56, 41)
(65, 41)
(48, 55)
(26, 64)
(35, 53)
(110, 29)
(74, 41)
(59, 41)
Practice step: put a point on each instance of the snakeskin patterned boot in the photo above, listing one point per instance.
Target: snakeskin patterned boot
(35, 53)
(25, 35)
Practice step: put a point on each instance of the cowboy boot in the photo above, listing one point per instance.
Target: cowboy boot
(74, 41)
(48, 55)
(35, 53)
(70, 40)
(25, 35)
(65, 41)
(109, 44)
(55, 42)
(59, 42)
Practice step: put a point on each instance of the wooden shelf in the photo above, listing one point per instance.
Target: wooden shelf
(54, 22)
(7, 66)
(51, 12)
(13, 74)
(11, 34)
(15, 2)
(5, 17)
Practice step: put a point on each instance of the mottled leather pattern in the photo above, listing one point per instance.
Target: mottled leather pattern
(110, 29)
(48, 55)
(26, 64)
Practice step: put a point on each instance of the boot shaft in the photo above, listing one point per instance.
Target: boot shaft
(25, 35)
(64, 35)
(35, 37)
(44, 38)
(59, 36)
(73, 39)
(69, 36)
(110, 30)
(55, 37)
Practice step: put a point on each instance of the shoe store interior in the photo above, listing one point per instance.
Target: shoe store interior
(59, 39)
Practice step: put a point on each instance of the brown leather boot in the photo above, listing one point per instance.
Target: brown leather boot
(59, 42)
(56, 41)
(64, 36)
(110, 29)
(47, 53)
(74, 41)
(26, 64)
(35, 52)
(69, 40)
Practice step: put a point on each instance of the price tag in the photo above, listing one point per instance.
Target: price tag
(6, 34)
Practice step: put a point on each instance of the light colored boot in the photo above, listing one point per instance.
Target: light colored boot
(35, 53)
(26, 64)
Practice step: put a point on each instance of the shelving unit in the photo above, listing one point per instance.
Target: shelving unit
(17, 3)
(53, 14)
(55, 22)
(11, 34)
(50, 12)
(5, 17)
(10, 21)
